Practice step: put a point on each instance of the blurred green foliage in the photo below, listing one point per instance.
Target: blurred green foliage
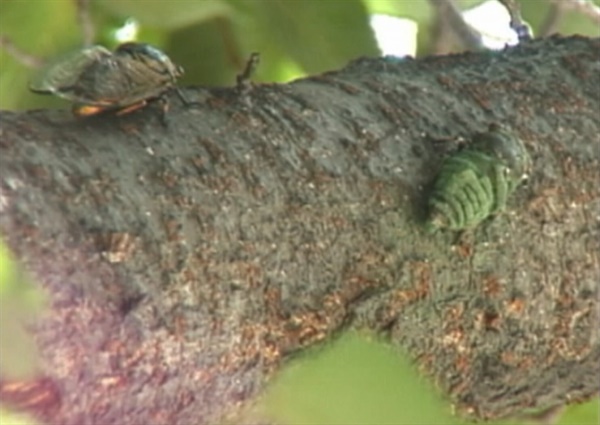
(358, 380)
(20, 303)
(581, 414)
(571, 23)
(354, 381)
(213, 38)
(8, 417)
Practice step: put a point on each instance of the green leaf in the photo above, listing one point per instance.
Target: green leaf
(204, 54)
(573, 21)
(318, 35)
(168, 14)
(9, 417)
(581, 414)
(24, 23)
(246, 34)
(354, 381)
(20, 302)
(417, 10)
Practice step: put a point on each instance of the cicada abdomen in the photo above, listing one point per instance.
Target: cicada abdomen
(476, 181)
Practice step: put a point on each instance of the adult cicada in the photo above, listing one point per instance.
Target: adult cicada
(477, 181)
(97, 80)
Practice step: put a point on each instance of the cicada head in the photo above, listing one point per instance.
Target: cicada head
(152, 58)
(436, 220)
(507, 149)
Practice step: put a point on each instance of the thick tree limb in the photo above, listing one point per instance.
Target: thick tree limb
(186, 263)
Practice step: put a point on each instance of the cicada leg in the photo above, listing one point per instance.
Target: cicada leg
(243, 83)
(186, 102)
(87, 110)
(164, 109)
(502, 189)
(440, 215)
(130, 108)
(463, 239)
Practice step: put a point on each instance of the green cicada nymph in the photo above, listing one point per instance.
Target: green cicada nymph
(477, 181)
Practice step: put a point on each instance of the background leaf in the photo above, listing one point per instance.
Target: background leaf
(581, 414)
(354, 381)
(320, 36)
(20, 303)
(168, 14)
(23, 22)
(536, 11)
(8, 417)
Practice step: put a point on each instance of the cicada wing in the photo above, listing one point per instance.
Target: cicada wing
(144, 74)
(117, 82)
(147, 82)
(63, 75)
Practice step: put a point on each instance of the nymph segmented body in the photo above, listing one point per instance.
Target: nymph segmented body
(476, 181)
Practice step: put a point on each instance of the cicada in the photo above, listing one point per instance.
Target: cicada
(476, 182)
(97, 80)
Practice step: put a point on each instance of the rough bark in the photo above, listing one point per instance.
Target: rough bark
(186, 263)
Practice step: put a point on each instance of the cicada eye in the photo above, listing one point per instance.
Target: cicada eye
(524, 32)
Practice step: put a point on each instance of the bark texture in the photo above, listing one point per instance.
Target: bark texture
(186, 263)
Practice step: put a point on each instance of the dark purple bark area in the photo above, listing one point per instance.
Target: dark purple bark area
(185, 263)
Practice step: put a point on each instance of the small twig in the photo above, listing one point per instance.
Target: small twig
(33, 61)
(447, 10)
(585, 7)
(553, 18)
(516, 22)
(24, 58)
(243, 79)
(85, 22)
(442, 36)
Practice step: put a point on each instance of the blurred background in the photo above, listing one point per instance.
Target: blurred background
(212, 39)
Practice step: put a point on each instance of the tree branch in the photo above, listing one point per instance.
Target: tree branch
(186, 263)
